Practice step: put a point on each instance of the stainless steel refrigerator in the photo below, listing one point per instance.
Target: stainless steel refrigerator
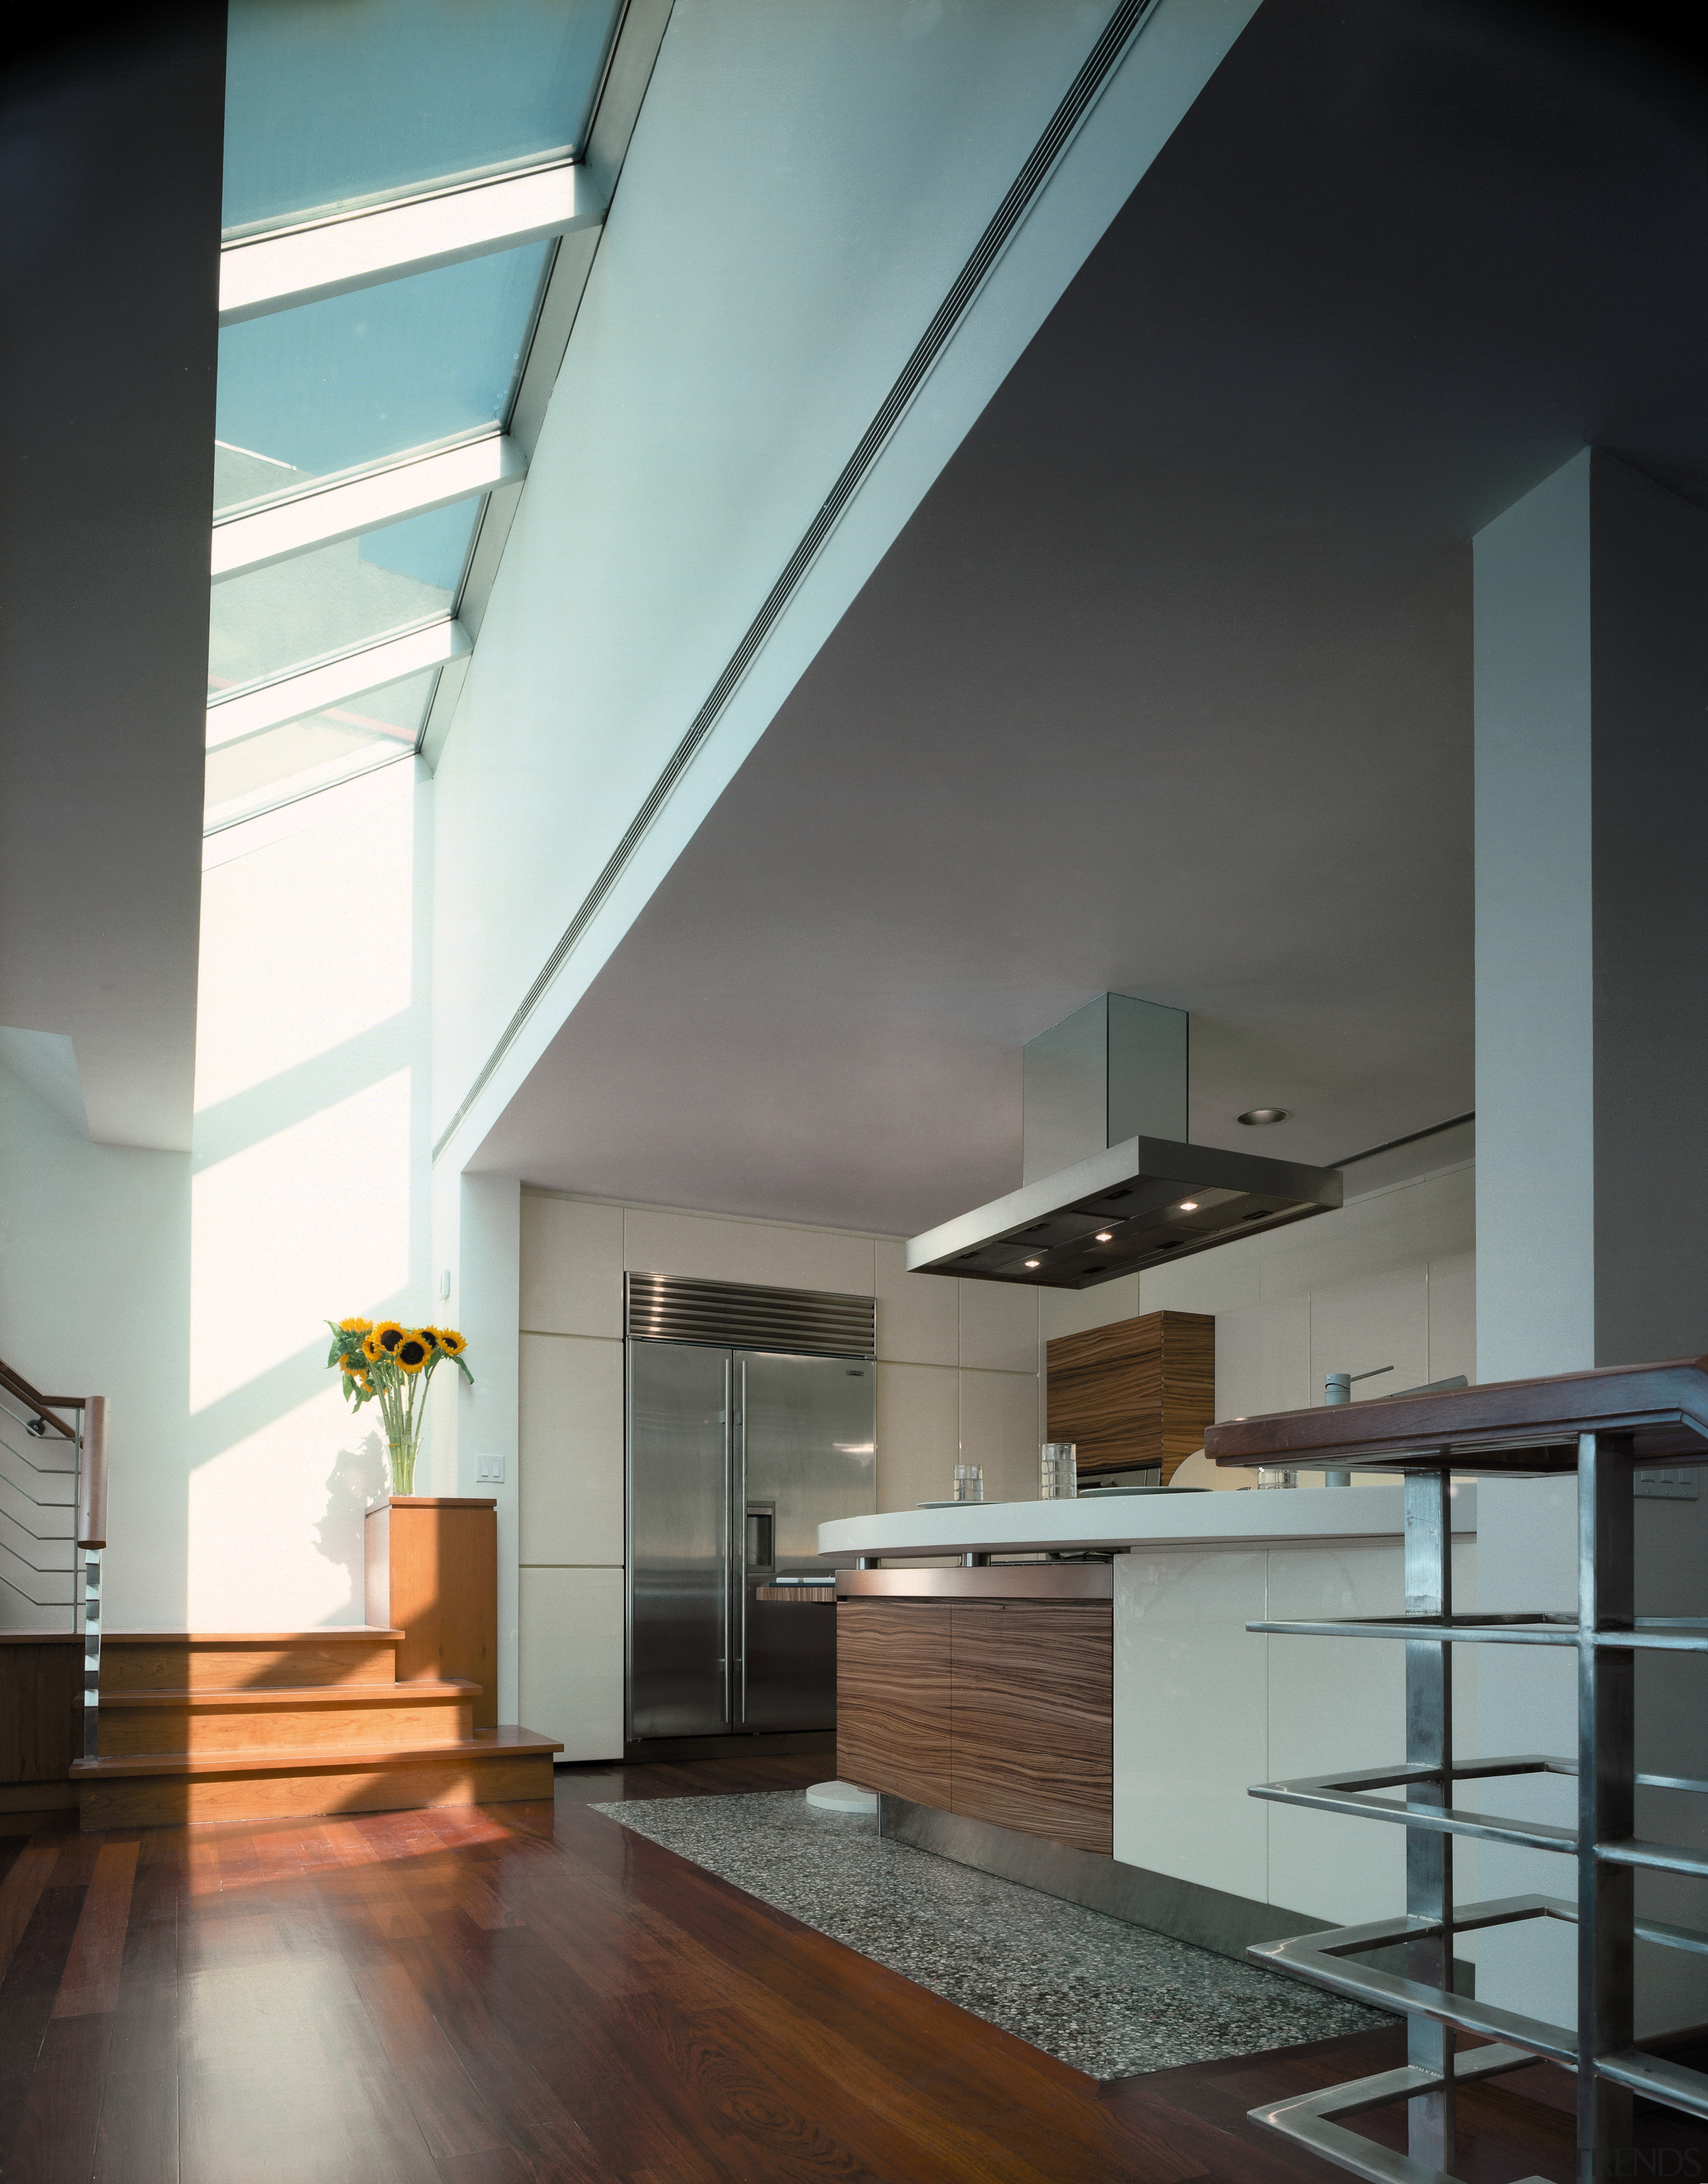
(737, 1453)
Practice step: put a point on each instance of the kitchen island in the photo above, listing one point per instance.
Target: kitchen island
(1091, 1725)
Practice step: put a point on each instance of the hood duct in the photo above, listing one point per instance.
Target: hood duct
(1111, 1187)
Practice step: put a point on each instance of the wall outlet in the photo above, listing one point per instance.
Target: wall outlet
(489, 1471)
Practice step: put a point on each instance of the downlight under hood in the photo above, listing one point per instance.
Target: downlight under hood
(1126, 1204)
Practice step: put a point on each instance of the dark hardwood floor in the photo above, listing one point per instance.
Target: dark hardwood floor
(521, 1994)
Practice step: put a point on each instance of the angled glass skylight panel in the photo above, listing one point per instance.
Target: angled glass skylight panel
(329, 106)
(353, 379)
(269, 622)
(326, 747)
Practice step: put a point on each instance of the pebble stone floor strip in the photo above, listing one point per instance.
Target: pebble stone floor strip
(1110, 1999)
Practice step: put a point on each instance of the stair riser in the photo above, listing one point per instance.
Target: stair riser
(176, 1664)
(145, 1801)
(128, 1731)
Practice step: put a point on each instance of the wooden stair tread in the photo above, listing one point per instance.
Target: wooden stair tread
(282, 1697)
(332, 1634)
(508, 1742)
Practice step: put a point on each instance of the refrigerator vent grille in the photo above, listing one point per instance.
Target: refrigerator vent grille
(820, 1322)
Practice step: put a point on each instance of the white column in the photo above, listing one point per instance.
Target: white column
(478, 1240)
(1592, 1044)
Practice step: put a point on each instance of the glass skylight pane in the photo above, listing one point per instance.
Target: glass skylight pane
(328, 105)
(324, 747)
(352, 379)
(271, 621)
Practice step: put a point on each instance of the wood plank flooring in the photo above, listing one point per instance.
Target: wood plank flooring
(528, 1994)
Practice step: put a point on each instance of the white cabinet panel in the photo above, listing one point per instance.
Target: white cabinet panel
(916, 1313)
(999, 1429)
(1192, 1728)
(571, 1267)
(999, 1327)
(1071, 1311)
(919, 1425)
(1452, 1316)
(571, 1442)
(1381, 1319)
(572, 1659)
(775, 1257)
(1336, 1703)
(1263, 1359)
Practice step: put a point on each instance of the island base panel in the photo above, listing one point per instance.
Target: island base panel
(892, 1699)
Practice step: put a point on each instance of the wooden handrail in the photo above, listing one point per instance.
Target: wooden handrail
(92, 1475)
(16, 1384)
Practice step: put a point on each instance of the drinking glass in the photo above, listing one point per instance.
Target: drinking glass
(1058, 1471)
(969, 1482)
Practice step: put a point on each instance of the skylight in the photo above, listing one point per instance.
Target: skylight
(398, 174)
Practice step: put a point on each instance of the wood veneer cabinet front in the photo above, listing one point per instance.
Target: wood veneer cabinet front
(892, 1697)
(1032, 1718)
(999, 1710)
(1135, 1391)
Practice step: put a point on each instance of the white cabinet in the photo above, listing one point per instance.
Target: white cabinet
(572, 1659)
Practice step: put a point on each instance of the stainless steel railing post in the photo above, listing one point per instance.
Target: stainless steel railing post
(1606, 1801)
(1429, 1856)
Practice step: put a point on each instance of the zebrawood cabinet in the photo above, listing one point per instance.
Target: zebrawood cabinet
(998, 1710)
(1136, 1391)
(892, 1697)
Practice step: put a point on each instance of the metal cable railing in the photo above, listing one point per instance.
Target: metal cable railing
(57, 1595)
(40, 1586)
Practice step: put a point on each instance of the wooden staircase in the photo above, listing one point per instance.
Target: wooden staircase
(198, 1725)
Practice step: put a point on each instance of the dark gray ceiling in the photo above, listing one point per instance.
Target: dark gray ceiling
(1166, 688)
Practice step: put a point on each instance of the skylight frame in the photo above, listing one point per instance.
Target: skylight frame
(266, 267)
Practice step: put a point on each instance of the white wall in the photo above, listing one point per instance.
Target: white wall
(193, 1291)
(308, 1200)
(94, 1284)
(957, 1379)
(802, 190)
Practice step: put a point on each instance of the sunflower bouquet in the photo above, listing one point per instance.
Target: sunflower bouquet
(384, 1362)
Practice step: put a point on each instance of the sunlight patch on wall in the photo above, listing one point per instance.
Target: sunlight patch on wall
(308, 941)
(311, 1224)
(294, 1488)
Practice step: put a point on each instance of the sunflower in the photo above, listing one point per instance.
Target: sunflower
(388, 1334)
(428, 1336)
(351, 1363)
(412, 1352)
(355, 1326)
(372, 1348)
(449, 1340)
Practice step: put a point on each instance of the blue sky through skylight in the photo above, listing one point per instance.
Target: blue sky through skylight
(331, 101)
(352, 379)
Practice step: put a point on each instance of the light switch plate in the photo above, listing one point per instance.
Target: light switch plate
(489, 1471)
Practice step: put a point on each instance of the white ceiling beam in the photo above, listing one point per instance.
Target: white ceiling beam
(271, 272)
(365, 503)
(294, 698)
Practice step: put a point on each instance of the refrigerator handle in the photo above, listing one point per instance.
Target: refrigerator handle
(729, 1535)
(738, 1550)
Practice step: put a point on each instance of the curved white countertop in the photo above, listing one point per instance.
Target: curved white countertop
(1284, 1517)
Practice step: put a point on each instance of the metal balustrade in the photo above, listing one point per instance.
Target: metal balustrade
(41, 1579)
(1601, 1424)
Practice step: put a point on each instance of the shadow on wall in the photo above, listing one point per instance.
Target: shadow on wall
(356, 1482)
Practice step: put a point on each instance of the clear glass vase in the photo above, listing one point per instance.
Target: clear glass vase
(402, 1456)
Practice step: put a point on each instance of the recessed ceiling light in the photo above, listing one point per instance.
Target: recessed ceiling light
(1266, 1115)
(1189, 1206)
(1106, 1235)
(1032, 1263)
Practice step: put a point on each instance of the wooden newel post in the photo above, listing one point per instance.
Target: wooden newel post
(91, 1476)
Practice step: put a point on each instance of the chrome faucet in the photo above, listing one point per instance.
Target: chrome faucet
(1338, 1389)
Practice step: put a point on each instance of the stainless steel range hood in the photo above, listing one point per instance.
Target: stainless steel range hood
(1124, 1207)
